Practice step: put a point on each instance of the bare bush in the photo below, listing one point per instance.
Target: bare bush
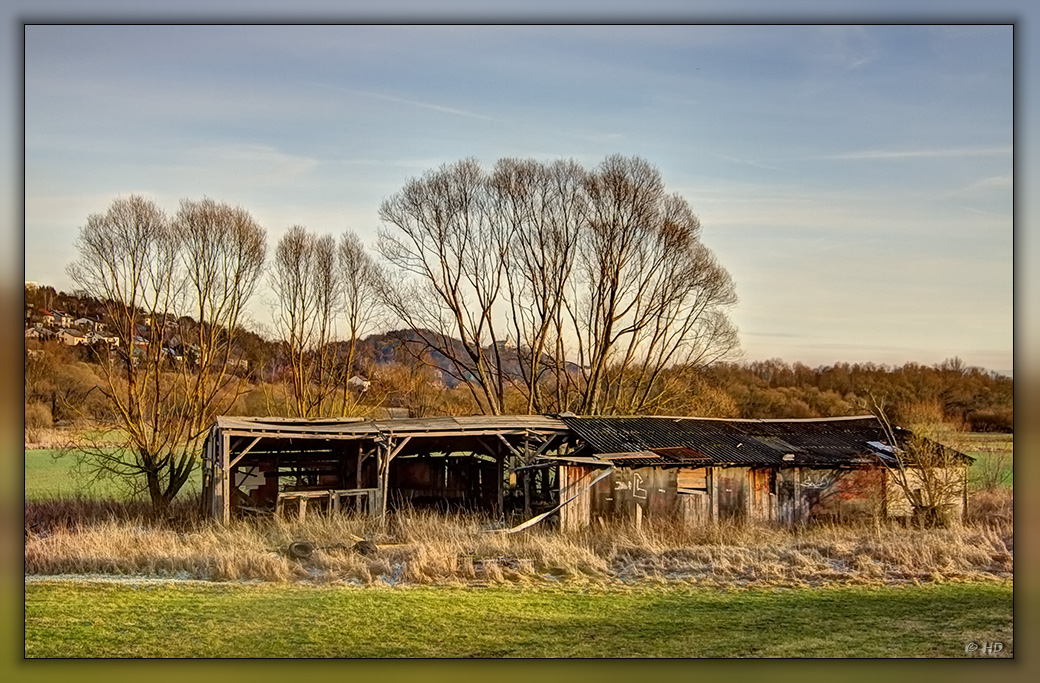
(37, 418)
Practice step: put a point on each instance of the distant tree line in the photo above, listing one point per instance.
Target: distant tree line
(949, 392)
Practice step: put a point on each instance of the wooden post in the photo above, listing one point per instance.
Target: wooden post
(563, 481)
(884, 492)
(749, 484)
(303, 508)
(527, 476)
(499, 477)
(225, 480)
(964, 495)
(358, 484)
(713, 491)
(383, 453)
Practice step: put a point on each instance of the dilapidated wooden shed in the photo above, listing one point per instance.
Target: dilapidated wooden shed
(252, 464)
(699, 469)
(569, 469)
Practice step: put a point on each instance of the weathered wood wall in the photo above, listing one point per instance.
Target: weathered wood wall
(573, 478)
(636, 493)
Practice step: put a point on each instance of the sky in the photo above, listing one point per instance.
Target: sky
(855, 180)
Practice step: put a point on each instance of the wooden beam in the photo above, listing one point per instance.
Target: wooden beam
(545, 445)
(243, 453)
(713, 488)
(397, 449)
(510, 446)
(372, 436)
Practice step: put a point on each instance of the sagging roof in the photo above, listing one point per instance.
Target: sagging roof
(361, 428)
(694, 442)
(857, 441)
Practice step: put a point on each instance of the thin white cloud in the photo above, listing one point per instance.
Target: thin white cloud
(937, 153)
(749, 162)
(1005, 181)
(408, 102)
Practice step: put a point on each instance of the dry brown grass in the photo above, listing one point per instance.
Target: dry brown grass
(994, 506)
(422, 548)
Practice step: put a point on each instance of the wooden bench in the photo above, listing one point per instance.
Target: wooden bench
(334, 498)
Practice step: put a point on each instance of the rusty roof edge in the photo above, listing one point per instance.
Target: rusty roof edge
(781, 420)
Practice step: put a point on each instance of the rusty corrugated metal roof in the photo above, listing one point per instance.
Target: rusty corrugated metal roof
(701, 441)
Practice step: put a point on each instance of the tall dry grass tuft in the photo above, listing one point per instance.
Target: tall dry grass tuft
(428, 548)
(994, 506)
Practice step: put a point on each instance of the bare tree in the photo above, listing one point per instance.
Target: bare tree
(308, 287)
(651, 294)
(222, 252)
(445, 238)
(361, 285)
(599, 277)
(145, 269)
(544, 207)
(127, 260)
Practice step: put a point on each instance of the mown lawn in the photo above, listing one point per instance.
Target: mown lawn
(50, 477)
(233, 620)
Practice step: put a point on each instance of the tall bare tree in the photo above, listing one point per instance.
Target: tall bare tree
(544, 207)
(445, 237)
(361, 311)
(651, 294)
(308, 287)
(599, 277)
(143, 268)
(222, 253)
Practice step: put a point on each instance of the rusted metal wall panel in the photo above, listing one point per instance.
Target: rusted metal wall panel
(835, 495)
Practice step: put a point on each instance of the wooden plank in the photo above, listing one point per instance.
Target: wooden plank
(692, 478)
(374, 434)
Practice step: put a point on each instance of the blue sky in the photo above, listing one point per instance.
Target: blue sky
(855, 180)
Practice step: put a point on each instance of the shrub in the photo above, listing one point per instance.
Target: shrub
(37, 418)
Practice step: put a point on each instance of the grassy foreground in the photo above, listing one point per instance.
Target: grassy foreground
(235, 620)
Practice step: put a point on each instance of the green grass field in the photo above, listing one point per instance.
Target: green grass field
(989, 451)
(233, 620)
(50, 477)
